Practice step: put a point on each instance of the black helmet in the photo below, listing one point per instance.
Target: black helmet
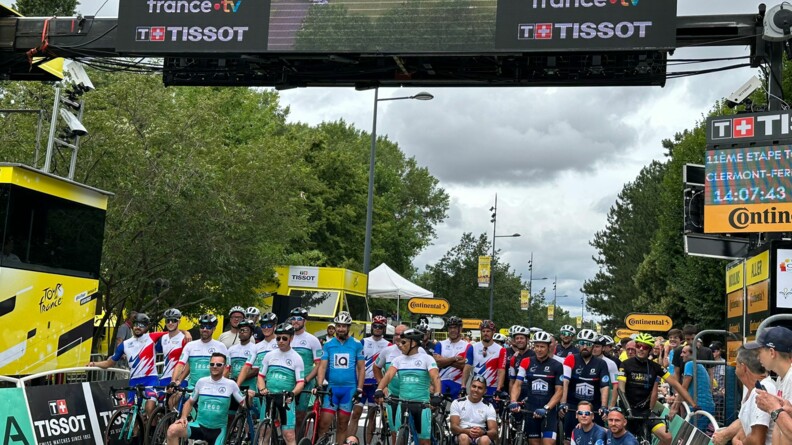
(299, 312)
(269, 318)
(208, 319)
(716, 346)
(246, 324)
(453, 321)
(413, 334)
(172, 313)
(141, 318)
(284, 328)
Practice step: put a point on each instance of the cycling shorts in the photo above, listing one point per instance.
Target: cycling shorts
(304, 399)
(422, 420)
(149, 382)
(450, 387)
(339, 399)
(368, 395)
(212, 436)
(288, 417)
(544, 428)
(636, 426)
(394, 415)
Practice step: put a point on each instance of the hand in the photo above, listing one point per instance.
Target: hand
(603, 411)
(540, 413)
(563, 408)
(514, 407)
(181, 421)
(90, 364)
(378, 394)
(737, 441)
(263, 391)
(720, 437)
(767, 402)
(503, 395)
(476, 432)
(358, 394)
(463, 393)
(436, 400)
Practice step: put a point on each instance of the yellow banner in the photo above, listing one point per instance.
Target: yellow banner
(471, 323)
(734, 278)
(735, 301)
(751, 218)
(579, 321)
(757, 268)
(525, 299)
(484, 271)
(758, 297)
(550, 312)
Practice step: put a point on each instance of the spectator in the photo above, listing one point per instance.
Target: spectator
(775, 354)
(629, 349)
(703, 393)
(124, 333)
(657, 352)
(231, 336)
(674, 340)
(753, 425)
(351, 440)
(719, 372)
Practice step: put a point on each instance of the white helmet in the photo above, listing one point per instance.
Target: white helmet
(343, 317)
(587, 335)
(252, 311)
(568, 328)
(499, 337)
(239, 309)
(542, 337)
(521, 330)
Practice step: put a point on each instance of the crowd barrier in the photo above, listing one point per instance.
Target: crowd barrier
(39, 411)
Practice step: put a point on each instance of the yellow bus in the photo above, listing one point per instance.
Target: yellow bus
(324, 292)
(51, 231)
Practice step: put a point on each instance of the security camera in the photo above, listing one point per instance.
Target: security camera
(740, 94)
(78, 76)
(76, 127)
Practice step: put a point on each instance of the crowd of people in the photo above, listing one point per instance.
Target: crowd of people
(579, 383)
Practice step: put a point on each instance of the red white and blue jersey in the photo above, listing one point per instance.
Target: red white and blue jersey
(486, 361)
(447, 348)
(171, 349)
(371, 351)
(140, 354)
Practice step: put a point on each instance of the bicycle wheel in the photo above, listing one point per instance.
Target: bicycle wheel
(262, 430)
(153, 420)
(371, 416)
(403, 436)
(120, 431)
(160, 435)
(238, 430)
(308, 428)
(438, 436)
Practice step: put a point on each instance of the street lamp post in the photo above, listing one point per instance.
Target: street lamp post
(582, 309)
(531, 279)
(494, 210)
(372, 157)
(555, 295)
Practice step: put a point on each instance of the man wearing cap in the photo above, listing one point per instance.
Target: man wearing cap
(331, 329)
(775, 354)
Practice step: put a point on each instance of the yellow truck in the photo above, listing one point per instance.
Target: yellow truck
(323, 291)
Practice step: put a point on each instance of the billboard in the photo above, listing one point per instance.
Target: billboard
(386, 26)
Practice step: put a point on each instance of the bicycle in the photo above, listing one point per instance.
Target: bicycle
(512, 430)
(160, 435)
(378, 415)
(645, 436)
(243, 426)
(128, 424)
(309, 431)
(407, 432)
(269, 428)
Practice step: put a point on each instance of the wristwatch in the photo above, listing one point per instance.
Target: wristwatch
(774, 414)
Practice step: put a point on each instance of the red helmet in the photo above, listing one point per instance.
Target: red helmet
(379, 319)
(487, 324)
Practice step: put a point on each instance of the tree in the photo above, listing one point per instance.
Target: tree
(46, 8)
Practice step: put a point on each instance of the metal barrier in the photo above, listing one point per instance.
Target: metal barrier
(696, 362)
(83, 374)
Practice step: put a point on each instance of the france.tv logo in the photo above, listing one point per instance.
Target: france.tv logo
(192, 6)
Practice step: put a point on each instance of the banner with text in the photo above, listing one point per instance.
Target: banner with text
(484, 271)
(783, 298)
(550, 312)
(525, 299)
(14, 419)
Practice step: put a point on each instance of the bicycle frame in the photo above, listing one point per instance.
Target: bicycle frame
(129, 422)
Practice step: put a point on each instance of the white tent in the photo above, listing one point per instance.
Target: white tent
(384, 282)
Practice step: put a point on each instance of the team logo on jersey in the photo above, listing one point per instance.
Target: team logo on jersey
(547, 369)
(539, 386)
(418, 363)
(592, 372)
(288, 362)
(578, 371)
(584, 391)
(303, 343)
(221, 390)
(341, 361)
(212, 350)
(606, 379)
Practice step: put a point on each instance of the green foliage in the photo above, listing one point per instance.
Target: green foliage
(46, 8)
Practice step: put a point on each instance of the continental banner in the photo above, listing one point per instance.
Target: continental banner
(748, 218)
(759, 297)
(14, 419)
(484, 271)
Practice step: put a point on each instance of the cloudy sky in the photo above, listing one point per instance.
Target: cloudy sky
(556, 157)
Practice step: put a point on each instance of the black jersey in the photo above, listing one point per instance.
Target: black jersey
(586, 380)
(638, 379)
(562, 352)
(539, 380)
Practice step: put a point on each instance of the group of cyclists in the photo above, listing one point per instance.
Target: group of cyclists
(546, 386)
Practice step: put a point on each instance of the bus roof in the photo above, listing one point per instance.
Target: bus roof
(35, 179)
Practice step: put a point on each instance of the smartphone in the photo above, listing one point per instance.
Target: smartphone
(759, 385)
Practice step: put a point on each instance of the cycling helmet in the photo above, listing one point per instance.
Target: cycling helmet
(716, 346)
(284, 328)
(645, 338)
(299, 312)
(499, 337)
(141, 318)
(568, 328)
(343, 317)
(453, 321)
(535, 329)
(520, 330)
(269, 318)
(602, 340)
(542, 337)
(239, 309)
(246, 324)
(587, 335)
(208, 319)
(379, 319)
(413, 334)
(487, 324)
(252, 311)
(171, 314)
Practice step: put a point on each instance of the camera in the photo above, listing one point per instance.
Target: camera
(76, 127)
(78, 76)
(742, 93)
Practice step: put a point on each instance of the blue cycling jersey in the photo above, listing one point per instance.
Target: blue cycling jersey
(342, 358)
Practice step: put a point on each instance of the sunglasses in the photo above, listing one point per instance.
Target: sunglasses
(216, 365)
(644, 347)
(207, 327)
(378, 326)
(584, 413)
(350, 442)
(566, 333)
(484, 351)
(617, 409)
(139, 325)
(479, 378)
(586, 344)
(282, 338)
(297, 318)
(172, 320)
(404, 342)
(267, 326)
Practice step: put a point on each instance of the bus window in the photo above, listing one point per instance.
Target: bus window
(357, 307)
(318, 303)
(51, 234)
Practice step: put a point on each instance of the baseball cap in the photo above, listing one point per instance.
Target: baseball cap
(778, 338)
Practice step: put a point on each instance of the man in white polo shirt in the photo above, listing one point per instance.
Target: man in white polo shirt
(473, 421)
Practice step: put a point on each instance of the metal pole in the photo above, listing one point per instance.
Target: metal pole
(53, 125)
(555, 295)
(492, 260)
(530, 288)
(582, 309)
(370, 203)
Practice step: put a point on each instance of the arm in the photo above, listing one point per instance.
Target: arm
(377, 372)
(724, 435)
(387, 378)
(466, 375)
(180, 372)
(320, 372)
(681, 391)
(501, 378)
(757, 436)
(186, 409)
(104, 364)
(456, 429)
(492, 430)
(556, 397)
(315, 372)
(435, 385)
(614, 392)
(243, 374)
(298, 388)
(564, 390)
(360, 368)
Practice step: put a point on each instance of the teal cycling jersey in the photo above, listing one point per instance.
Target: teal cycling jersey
(197, 354)
(309, 348)
(413, 374)
(239, 355)
(342, 359)
(213, 398)
(282, 370)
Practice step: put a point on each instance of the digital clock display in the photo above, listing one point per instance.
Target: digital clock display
(748, 189)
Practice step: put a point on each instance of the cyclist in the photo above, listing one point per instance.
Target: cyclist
(253, 315)
(586, 378)
(519, 351)
(451, 355)
(613, 370)
(473, 421)
(242, 353)
(587, 432)
(540, 388)
(331, 328)
(196, 354)
(139, 352)
(171, 345)
(383, 363)
(617, 434)
(251, 368)
(418, 378)
(638, 379)
(282, 371)
(499, 338)
(344, 366)
(567, 344)
(609, 352)
(310, 351)
(486, 358)
(231, 336)
(372, 348)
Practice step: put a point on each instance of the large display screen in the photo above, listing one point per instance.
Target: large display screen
(394, 26)
(748, 189)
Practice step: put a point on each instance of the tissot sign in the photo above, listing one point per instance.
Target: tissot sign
(585, 24)
(748, 128)
(202, 26)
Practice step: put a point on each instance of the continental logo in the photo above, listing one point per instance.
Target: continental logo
(741, 217)
(434, 306)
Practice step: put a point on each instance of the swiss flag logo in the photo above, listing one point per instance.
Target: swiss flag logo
(157, 34)
(743, 127)
(58, 407)
(544, 31)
